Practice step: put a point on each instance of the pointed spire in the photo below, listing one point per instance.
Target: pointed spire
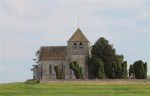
(78, 36)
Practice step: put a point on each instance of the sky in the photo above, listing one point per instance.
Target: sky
(26, 25)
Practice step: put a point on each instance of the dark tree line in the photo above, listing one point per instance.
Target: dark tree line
(104, 63)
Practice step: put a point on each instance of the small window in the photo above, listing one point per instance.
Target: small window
(80, 45)
(50, 68)
(75, 45)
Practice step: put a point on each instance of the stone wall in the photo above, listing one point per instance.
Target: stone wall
(79, 53)
(74, 53)
(48, 71)
(106, 81)
(77, 50)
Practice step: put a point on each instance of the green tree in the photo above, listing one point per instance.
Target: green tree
(145, 69)
(131, 70)
(99, 69)
(124, 70)
(139, 69)
(59, 73)
(77, 69)
(90, 61)
(114, 66)
(119, 63)
(102, 50)
(110, 71)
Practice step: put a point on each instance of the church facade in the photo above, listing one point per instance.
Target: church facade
(77, 49)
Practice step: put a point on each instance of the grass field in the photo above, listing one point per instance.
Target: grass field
(75, 89)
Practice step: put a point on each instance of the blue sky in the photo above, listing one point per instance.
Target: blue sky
(28, 24)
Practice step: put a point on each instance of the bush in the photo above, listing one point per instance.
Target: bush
(59, 73)
(31, 81)
(77, 69)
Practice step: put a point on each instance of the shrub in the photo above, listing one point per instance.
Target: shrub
(31, 81)
(77, 70)
(59, 73)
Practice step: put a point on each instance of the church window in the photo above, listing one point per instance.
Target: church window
(75, 45)
(80, 45)
(50, 68)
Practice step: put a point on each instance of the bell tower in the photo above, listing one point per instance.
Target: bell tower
(78, 49)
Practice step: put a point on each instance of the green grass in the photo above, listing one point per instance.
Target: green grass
(75, 89)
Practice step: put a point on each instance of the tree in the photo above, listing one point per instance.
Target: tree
(114, 66)
(99, 69)
(103, 50)
(91, 67)
(139, 69)
(131, 70)
(124, 70)
(145, 69)
(59, 73)
(119, 63)
(77, 69)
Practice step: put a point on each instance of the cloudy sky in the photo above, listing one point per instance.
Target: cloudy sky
(25, 25)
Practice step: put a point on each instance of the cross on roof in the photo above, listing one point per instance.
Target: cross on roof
(78, 21)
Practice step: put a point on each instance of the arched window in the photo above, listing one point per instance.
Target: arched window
(80, 45)
(75, 45)
(50, 68)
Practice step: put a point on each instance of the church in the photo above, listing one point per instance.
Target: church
(77, 49)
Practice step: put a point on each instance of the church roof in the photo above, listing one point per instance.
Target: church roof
(78, 36)
(53, 53)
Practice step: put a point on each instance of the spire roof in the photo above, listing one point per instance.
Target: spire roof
(78, 36)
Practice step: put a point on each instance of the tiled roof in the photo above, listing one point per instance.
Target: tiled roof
(78, 36)
(53, 53)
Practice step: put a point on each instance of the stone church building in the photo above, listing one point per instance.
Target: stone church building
(77, 49)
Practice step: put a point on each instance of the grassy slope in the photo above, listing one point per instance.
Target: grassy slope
(75, 89)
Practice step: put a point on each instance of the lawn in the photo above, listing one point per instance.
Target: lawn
(75, 89)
